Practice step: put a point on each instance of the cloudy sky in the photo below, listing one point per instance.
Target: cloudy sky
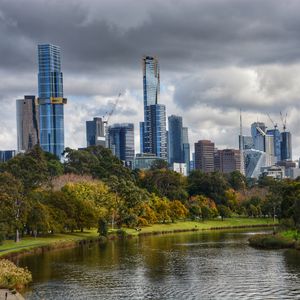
(216, 57)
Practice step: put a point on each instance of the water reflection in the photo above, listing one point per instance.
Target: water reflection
(203, 265)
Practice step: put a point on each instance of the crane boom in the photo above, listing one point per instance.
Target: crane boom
(283, 120)
(274, 124)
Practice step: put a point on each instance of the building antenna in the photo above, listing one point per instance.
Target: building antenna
(241, 145)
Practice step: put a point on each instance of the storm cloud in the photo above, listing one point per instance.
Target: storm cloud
(216, 57)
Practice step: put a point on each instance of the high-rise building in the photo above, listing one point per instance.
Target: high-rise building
(51, 101)
(258, 130)
(27, 123)
(277, 142)
(175, 139)
(286, 145)
(121, 142)
(204, 156)
(227, 160)
(246, 142)
(155, 139)
(254, 161)
(186, 148)
(269, 149)
(153, 136)
(95, 132)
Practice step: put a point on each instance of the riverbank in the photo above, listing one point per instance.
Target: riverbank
(31, 245)
(281, 240)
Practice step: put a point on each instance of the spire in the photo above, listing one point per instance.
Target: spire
(241, 145)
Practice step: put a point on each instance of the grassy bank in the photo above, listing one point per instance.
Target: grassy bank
(281, 240)
(200, 225)
(32, 245)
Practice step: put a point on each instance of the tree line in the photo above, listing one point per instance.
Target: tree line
(92, 188)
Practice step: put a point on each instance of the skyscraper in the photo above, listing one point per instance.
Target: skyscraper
(153, 136)
(51, 101)
(27, 123)
(227, 160)
(186, 148)
(204, 156)
(286, 145)
(277, 142)
(95, 132)
(258, 130)
(175, 140)
(121, 142)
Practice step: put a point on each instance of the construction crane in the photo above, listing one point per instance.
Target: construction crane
(283, 120)
(110, 113)
(274, 124)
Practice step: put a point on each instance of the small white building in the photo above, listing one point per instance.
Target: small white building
(180, 168)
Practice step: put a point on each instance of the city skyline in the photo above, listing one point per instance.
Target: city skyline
(194, 82)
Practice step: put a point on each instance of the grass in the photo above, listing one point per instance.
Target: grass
(200, 225)
(29, 243)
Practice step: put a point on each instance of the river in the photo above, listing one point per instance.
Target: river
(196, 265)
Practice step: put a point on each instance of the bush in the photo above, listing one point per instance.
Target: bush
(12, 276)
(270, 241)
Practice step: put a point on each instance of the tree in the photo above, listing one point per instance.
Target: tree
(12, 205)
(237, 180)
(177, 210)
(224, 211)
(212, 185)
(159, 164)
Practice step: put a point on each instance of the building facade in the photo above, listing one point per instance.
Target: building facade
(204, 156)
(286, 145)
(6, 155)
(27, 123)
(258, 130)
(121, 142)
(95, 132)
(227, 160)
(155, 139)
(186, 148)
(51, 101)
(277, 142)
(153, 134)
(175, 139)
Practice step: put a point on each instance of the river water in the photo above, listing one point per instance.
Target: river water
(197, 265)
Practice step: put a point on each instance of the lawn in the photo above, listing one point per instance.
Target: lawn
(28, 243)
(209, 224)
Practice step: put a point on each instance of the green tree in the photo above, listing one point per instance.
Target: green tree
(224, 211)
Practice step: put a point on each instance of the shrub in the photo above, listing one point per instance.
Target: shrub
(269, 241)
(12, 276)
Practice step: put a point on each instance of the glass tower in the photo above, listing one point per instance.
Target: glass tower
(95, 132)
(121, 142)
(186, 148)
(153, 134)
(286, 145)
(51, 101)
(175, 139)
(277, 142)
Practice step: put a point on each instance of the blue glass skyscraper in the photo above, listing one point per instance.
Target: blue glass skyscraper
(51, 101)
(175, 140)
(277, 142)
(153, 135)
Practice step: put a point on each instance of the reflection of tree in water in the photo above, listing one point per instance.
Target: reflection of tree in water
(292, 261)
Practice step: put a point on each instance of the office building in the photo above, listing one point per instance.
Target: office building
(121, 142)
(6, 155)
(175, 139)
(254, 161)
(180, 168)
(186, 148)
(286, 145)
(258, 130)
(27, 123)
(227, 160)
(155, 139)
(95, 132)
(204, 156)
(153, 135)
(247, 142)
(144, 161)
(51, 101)
(277, 142)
